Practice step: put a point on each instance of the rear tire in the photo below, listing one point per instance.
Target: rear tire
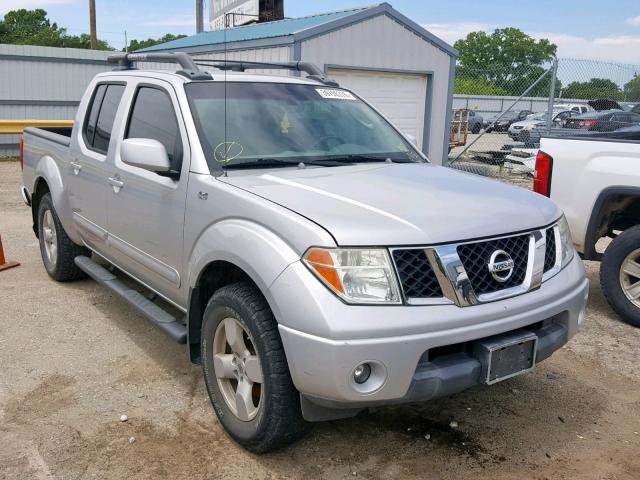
(57, 249)
(248, 380)
(620, 275)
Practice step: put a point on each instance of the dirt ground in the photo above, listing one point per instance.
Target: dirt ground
(73, 360)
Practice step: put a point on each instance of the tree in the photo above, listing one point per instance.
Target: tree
(477, 86)
(632, 89)
(32, 27)
(507, 58)
(83, 41)
(149, 42)
(593, 89)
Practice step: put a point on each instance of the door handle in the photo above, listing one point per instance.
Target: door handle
(116, 184)
(76, 167)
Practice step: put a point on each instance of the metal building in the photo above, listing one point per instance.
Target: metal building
(396, 64)
(43, 83)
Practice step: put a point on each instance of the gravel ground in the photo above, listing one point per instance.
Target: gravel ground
(73, 360)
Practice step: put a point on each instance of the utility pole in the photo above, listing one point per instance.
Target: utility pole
(199, 16)
(92, 24)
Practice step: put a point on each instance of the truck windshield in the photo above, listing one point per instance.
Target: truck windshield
(274, 124)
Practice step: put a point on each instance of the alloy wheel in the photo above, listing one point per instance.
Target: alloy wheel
(630, 277)
(237, 368)
(50, 239)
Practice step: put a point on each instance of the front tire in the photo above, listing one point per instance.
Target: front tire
(57, 249)
(620, 275)
(246, 372)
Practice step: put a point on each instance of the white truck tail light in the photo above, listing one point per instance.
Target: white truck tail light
(542, 175)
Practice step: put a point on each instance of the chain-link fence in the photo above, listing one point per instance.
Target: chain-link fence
(507, 110)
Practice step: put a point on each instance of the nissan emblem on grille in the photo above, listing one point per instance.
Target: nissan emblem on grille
(501, 266)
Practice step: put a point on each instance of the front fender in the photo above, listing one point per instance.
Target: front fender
(48, 170)
(260, 252)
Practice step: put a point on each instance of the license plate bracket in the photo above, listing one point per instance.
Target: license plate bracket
(505, 356)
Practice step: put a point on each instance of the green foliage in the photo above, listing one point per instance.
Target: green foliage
(632, 89)
(477, 86)
(149, 42)
(593, 89)
(32, 27)
(508, 59)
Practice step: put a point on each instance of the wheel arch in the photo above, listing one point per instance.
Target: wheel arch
(617, 206)
(47, 172)
(227, 252)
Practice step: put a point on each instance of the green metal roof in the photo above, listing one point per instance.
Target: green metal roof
(257, 31)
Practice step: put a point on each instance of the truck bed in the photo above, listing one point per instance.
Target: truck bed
(59, 135)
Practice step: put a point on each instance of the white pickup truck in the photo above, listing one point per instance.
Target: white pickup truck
(595, 179)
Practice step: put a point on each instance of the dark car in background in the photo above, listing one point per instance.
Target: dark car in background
(504, 121)
(475, 121)
(603, 121)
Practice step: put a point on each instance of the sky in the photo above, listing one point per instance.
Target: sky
(596, 29)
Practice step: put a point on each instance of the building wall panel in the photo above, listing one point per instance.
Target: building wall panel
(43, 83)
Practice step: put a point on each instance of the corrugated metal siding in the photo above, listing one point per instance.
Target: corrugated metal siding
(381, 42)
(43, 83)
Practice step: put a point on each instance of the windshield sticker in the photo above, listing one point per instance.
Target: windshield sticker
(284, 124)
(227, 151)
(335, 94)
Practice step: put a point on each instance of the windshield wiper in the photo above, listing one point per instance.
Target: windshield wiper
(362, 158)
(273, 163)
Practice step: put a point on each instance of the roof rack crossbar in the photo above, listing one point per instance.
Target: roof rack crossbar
(124, 61)
(311, 69)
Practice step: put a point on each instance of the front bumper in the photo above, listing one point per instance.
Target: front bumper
(325, 339)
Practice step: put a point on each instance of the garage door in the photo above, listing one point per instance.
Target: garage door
(399, 96)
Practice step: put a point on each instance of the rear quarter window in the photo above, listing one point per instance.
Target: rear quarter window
(101, 116)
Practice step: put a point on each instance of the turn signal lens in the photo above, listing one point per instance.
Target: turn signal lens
(357, 275)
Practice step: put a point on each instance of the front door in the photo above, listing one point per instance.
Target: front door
(146, 209)
(89, 162)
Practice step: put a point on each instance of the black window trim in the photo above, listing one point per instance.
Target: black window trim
(132, 104)
(87, 114)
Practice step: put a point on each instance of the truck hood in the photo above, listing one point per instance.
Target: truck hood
(399, 204)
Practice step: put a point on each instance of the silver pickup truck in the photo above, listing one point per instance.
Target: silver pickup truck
(312, 259)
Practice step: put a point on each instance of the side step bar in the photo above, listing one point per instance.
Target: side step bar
(156, 315)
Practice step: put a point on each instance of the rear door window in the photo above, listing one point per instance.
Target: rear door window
(102, 116)
(153, 117)
(92, 115)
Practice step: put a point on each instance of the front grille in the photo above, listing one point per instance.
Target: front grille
(550, 250)
(475, 259)
(417, 278)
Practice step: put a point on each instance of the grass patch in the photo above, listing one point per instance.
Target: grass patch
(9, 159)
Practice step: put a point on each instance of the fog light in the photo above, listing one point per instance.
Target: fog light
(361, 373)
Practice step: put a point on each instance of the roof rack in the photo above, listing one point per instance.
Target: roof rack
(312, 70)
(189, 67)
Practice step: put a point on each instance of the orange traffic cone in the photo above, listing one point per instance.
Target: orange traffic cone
(4, 265)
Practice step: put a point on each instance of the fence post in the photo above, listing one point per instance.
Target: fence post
(552, 94)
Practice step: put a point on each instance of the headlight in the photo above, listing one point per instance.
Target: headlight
(357, 275)
(565, 241)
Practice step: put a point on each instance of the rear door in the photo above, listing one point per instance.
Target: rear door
(88, 171)
(146, 209)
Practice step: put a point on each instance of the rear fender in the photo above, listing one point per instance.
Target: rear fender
(47, 170)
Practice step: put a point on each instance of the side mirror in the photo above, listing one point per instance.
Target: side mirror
(145, 153)
(411, 138)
